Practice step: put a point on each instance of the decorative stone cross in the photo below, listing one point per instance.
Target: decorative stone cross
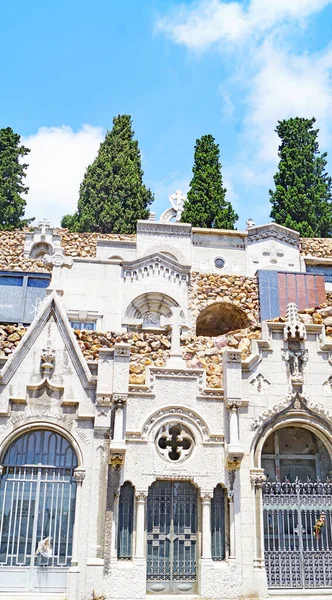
(177, 201)
(175, 322)
(58, 261)
(273, 252)
(44, 224)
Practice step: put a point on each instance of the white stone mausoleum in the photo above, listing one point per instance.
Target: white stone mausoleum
(158, 436)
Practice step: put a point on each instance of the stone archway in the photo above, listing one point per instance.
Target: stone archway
(220, 318)
(297, 509)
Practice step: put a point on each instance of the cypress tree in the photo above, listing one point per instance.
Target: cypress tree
(302, 198)
(112, 194)
(12, 174)
(206, 205)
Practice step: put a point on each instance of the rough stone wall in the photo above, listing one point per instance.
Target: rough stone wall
(148, 349)
(85, 244)
(74, 244)
(238, 290)
(321, 247)
(11, 254)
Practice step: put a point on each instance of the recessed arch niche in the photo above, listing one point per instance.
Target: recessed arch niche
(150, 307)
(220, 318)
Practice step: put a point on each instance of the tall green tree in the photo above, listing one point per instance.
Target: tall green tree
(12, 174)
(112, 194)
(206, 205)
(302, 199)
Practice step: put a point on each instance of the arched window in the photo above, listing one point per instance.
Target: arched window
(218, 523)
(126, 519)
(37, 509)
(219, 318)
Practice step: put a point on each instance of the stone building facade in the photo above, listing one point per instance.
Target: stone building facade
(156, 438)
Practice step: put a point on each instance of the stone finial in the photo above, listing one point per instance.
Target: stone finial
(47, 360)
(293, 326)
(177, 201)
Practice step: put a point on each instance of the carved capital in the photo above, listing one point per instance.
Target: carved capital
(257, 478)
(232, 404)
(141, 496)
(119, 400)
(103, 401)
(1, 470)
(117, 458)
(79, 474)
(206, 497)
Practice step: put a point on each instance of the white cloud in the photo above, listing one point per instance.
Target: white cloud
(270, 78)
(284, 86)
(214, 21)
(57, 163)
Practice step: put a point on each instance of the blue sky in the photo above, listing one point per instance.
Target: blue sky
(180, 69)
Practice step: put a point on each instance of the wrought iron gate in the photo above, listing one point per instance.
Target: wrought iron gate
(172, 537)
(37, 508)
(298, 534)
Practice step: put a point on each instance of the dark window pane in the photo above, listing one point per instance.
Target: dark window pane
(9, 280)
(218, 523)
(126, 512)
(38, 282)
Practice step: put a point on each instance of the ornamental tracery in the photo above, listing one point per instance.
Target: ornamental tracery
(174, 442)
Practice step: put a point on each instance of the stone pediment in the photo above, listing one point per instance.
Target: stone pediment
(51, 310)
(156, 265)
(273, 231)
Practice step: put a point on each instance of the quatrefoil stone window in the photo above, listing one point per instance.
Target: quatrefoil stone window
(174, 442)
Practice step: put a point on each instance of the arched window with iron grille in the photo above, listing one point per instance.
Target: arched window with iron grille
(218, 523)
(126, 519)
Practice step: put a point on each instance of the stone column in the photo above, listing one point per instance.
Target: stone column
(79, 475)
(258, 478)
(140, 524)
(206, 525)
(119, 401)
(232, 406)
(231, 476)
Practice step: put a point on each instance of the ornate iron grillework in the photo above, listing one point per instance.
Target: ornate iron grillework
(298, 547)
(172, 537)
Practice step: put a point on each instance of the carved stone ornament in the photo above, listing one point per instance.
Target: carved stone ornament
(206, 497)
(47, 360)
(174, 442)
(233, 464)
(293, 326)
(119, 400)
(141, 496)
(293, 402)
(177, 201)
(257, 478)
(232, 404)
(117, 458)
(234, 356)
(58, 260)
(278, 235)
(122, 350)
(260, 383)
(79, 474)
(103, 401)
